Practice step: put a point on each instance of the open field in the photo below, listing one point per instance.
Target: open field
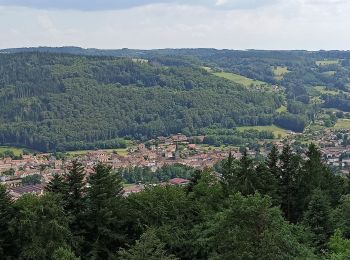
(239, 79)
(16, 151)
(120, 151)
(208, 69)
(277, 131)
(326, 62)
(281, 109)
(330, 73)
(279, 71)
(324, 90)
(342, 124)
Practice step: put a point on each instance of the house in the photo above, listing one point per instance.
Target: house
(178, 181)
(17, 192)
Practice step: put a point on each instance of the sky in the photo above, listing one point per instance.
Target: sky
(152, 24)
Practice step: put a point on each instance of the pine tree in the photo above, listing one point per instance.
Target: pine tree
(318, 219)
(56, 185)
(75, 201)
(288, 183)
(228, 174)
(6, 214)
(75, 188)
(272, 162)
(246, 176)
(194, 180)
(103, 219)
(147, 247)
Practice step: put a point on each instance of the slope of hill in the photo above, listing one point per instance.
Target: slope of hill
(61, 102)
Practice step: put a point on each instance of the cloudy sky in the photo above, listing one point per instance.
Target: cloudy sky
(147, 24)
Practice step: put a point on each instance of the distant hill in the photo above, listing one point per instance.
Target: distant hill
(61, 102)
(71, 98)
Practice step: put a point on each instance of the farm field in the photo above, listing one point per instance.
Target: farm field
(15, 150)
(324, 90)
(120, 151)
(281, 109)
(279, 71)
(277, 131)
(342, 124)
(239, 79)
(326, 62)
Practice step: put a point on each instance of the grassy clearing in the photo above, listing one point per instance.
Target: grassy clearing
(279, 71)
(140, 60)
(15, 150)
(330, 73)
(281, 109)
(277, 131)
(120, 151)
(324, 90)
(247, 82)
(326, 62)
(208, 69)
(342, 124)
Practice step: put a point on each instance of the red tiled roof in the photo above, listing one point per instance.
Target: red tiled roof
(177, 181)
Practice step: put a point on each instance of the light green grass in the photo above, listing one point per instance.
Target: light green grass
(247, 82)
(330, 73)
(279, 72)
(140, 60)
(16, 151)
(120, 151)
(270, 128)
(326, 62)
(208, 69)
(342, 124)
(324, 90)
(281, 109)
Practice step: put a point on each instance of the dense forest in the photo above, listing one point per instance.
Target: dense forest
(54, 102)
(57, 99)
(286, 207)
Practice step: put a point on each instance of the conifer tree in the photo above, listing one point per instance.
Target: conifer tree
(104, 213)
(6, 214)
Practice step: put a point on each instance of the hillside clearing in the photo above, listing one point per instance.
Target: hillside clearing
(277, 131)
(342, 124)
(247, 82)
(326, 62)
(279, 71)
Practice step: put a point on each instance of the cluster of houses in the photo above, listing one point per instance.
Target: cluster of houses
(176, 149)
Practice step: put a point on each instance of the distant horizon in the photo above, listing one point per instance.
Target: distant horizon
(171, 48)
(160, 24)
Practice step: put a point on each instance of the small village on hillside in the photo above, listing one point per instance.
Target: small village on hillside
(30, 173)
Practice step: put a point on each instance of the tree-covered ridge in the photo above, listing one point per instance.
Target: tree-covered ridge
(60, 102)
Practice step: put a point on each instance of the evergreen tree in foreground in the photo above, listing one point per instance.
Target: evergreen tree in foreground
(104, 213)
(6, 214)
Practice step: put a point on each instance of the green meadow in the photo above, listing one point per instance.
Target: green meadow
(247, 82)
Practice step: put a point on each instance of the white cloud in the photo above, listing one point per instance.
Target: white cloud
(290, 24)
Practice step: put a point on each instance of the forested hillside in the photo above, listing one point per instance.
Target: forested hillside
(61, 102)
(71, 98)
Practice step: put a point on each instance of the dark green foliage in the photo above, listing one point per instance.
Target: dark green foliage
(245, 210)
(62, 102)
(6, 214)
(341, 216)
(318, 219)
(103, 217)
(41, 226)
(56, 185)
(149, 247)
(31, 179)
(64, 254)
(250, 229)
